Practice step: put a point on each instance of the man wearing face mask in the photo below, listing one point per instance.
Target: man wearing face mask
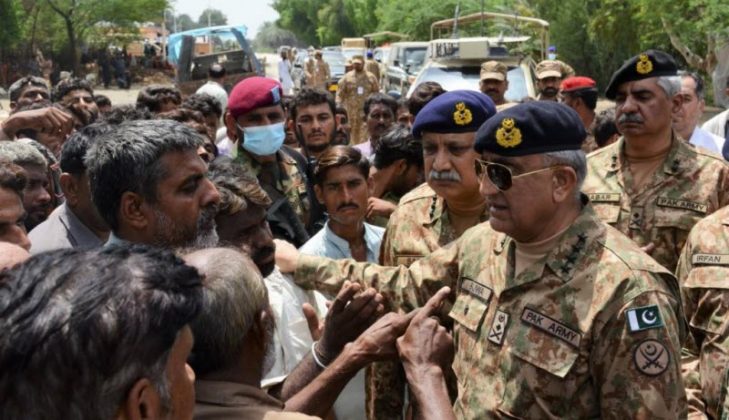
(255, 117)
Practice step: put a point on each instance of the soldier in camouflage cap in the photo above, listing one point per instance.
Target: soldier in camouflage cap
(557, 315)
(652, 185)
(702, 271)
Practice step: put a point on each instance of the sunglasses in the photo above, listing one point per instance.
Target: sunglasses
(501, 175)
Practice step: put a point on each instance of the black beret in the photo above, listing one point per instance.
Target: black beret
(457, 111)
(530, 128)
(652, 63)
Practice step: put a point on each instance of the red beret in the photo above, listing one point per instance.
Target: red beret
(577, 83)
(253, 92)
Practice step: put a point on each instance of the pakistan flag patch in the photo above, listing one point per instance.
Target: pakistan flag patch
(644, 318)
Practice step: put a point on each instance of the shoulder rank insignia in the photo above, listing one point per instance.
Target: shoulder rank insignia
(644, 64)
(508, 135)
(644, 318)
(463, 115)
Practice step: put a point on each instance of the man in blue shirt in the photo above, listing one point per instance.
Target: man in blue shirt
(341, 185)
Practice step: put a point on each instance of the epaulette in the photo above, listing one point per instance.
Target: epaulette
(422, 191)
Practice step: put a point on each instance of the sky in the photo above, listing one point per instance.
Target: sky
(251, 13)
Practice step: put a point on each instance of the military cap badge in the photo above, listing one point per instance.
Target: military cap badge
(463, 115)
(644, 64)
(508, 135)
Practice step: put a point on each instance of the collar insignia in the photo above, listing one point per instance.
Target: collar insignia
(463, 115)
(508, 135)
(644, 64)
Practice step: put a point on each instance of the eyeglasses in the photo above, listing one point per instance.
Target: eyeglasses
(500, 175)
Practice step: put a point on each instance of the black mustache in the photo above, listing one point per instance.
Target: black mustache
(347, 205)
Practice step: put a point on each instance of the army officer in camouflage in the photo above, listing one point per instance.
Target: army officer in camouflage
(557, 315)
(352, 92)
(703, 270)
(652, 185)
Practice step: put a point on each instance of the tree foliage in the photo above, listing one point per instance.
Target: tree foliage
(212, 16)
(270, 37)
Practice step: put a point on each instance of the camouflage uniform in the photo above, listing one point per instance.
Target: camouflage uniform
(592, 330)
(373, 67)
(317, 73)
(291, 184)
(589, 145)
(352, 92)
(419, 226)
(703, 270)
(690, 185)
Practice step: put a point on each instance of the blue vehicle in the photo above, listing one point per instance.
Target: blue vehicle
(192, 52)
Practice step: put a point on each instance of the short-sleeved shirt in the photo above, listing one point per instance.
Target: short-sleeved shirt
(326, 243)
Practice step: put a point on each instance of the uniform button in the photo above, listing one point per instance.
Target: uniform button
(465, 310)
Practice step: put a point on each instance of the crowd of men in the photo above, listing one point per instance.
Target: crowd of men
(253, 254)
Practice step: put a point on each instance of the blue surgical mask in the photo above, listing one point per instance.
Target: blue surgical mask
(263, 140)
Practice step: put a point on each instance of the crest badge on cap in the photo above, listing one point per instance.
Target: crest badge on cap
(508, 135)
(276, 95)
(644, 64)
(463, 115)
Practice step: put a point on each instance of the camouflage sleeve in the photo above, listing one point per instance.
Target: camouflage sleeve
(723, 187)
(387, 256)
(690, 371)
(635, 359)
(405, 288)
(341, 86)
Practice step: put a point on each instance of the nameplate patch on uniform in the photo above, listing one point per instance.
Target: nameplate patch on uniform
(713, 259)
(682, 204)
(651, 357)
(498, 328)
(604, 197)
(644, 318)
(551, 327)
(476, 289)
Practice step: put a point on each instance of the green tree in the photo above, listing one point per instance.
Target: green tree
(300, 17)
(212, 17)
(80, 16)
(270, 37)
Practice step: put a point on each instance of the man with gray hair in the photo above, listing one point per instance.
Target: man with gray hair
(234, 343)
(36, 198)
(150, 186)
(556, 314)
(651, 184)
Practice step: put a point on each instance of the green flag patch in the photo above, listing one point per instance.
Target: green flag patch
(644, 318)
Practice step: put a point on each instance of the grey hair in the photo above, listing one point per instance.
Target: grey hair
(21, 154)
(671, 85)
(234, 294)
(128, 158)
(575, 159)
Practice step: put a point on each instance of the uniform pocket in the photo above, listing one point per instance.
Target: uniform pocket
(708, 288)
(469, 312)
(673, 227)
(608, 213)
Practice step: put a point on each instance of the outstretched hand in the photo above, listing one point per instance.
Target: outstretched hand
(351, 313)
(426, 343)
(286, 256)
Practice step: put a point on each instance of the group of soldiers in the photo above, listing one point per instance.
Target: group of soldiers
(597, 286)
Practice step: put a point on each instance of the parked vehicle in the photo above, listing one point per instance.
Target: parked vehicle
(336, 61)
(404, 61)
(194, 51)
(456, 64)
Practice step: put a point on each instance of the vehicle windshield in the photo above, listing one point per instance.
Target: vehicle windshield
(351, 52)
(468, 77)
(333, 59)
(415, 58)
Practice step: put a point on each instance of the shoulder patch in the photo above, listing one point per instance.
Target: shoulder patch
(710, 259)
(651, 357)
(644, 318)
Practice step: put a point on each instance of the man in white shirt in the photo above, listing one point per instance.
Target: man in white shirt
(686, 121)
(341, 185)
(719, 125)
(284, 74)
(214, 86)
